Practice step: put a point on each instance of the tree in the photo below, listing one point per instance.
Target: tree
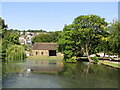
(10, 43)
(49, 37)
(3, 26)
(82, 36)
(15, 53)
(114, 38)
(3, 29)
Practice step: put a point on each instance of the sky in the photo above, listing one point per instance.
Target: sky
(52, 16)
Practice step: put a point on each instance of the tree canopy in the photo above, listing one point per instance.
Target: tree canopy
(48, 37)
(83, 36)
(114, 38)
(10, 43)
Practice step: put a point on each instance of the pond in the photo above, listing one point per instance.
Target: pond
(42, 73)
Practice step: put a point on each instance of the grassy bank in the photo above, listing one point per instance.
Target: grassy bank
(51, 57)
(115, 65)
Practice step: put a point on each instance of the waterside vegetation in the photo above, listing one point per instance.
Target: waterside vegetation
(11, 49)
(88, 34)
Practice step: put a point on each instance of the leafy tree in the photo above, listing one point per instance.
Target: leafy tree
(82, 36)
(41, 38)
(10, 43)
(114, 38)
(36, 30)
(49, 37)
(15, 53)
(3, 27)
(9, 38)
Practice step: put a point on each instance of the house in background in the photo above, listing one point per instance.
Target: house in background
(45, 49)
(22, 40)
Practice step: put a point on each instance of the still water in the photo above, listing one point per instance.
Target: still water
(41, 73)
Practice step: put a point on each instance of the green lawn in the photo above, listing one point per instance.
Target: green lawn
(110, 64)
(35, 57)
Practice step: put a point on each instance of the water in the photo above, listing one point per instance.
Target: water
(41, 73)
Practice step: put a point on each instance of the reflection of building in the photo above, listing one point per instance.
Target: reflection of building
(45, 66)
(44, 49)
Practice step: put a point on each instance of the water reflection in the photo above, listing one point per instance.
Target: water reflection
(40, 73)
(86, 75)
(44, 66)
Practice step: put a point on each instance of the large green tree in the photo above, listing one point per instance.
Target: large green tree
(82, 36)
(10, 43)
(114, 38)
(47, 37)
(15, 53)
(3, 29)
(3, 26)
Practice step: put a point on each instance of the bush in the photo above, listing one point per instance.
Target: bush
(70, 60)
(95, 59)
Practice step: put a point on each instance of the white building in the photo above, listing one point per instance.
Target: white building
(22, 40)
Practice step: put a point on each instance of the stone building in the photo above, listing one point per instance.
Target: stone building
(45, 49)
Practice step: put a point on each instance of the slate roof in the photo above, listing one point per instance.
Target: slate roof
(44, 46)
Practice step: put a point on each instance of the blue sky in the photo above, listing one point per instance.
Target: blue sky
(52, 16)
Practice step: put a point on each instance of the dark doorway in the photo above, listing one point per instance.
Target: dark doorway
(36, 53)
(41, 53)
(52, 52)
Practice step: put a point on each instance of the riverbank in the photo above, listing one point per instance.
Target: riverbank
(51, 57)
(104, 62)
(110, 63)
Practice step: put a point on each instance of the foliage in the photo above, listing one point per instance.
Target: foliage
(49, 37)
(114, 38)
(3, 27)
(35, 30)
(95, 59)
(83, 36)
(10, 44)
(9, 38)
(15, 53)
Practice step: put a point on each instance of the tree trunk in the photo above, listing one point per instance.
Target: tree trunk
(87, 54)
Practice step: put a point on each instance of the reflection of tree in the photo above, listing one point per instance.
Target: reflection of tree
(76, 69)
(90, 75)
(7, 69)
(86, 70)
(68, 69)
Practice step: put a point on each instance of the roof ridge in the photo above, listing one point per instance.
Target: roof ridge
(44, 43)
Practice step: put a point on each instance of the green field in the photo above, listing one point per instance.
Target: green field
(110, 64)
(52, 57)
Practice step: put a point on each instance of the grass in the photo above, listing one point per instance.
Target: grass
(110, 64)
(52, 57)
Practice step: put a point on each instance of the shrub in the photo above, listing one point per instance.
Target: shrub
(95, 59)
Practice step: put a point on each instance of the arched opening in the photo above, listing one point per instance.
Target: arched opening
(36, 53)
(41, 53)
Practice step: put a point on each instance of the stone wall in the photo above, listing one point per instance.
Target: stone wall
(40, 53)
(43, 53)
